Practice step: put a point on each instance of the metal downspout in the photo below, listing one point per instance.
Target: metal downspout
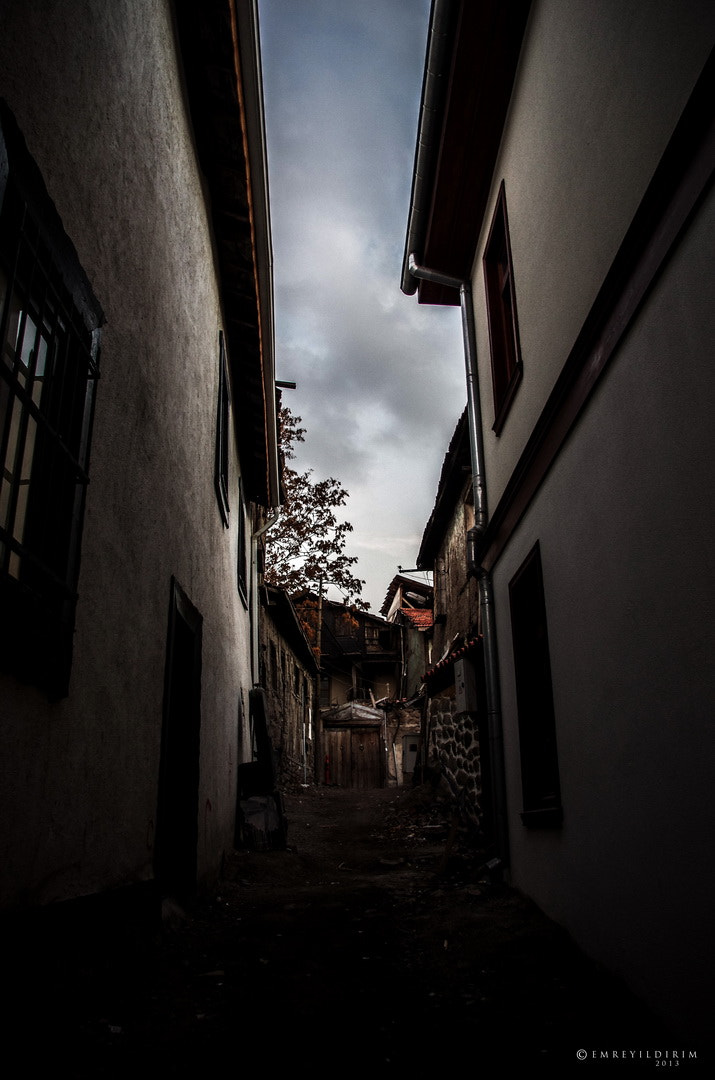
(481, 517)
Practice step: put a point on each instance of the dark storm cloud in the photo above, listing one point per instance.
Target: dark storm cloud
(380, 383)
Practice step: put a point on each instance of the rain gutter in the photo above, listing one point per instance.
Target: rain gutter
(481, 518)
(439, 43)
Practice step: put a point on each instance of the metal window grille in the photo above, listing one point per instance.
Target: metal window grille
(49, 347)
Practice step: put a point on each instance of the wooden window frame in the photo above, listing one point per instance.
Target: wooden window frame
(541, 789)
(505, 348)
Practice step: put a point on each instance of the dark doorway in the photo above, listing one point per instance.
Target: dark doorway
(534, 695)
(177, 813)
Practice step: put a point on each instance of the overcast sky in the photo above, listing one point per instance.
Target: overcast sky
(380, 377)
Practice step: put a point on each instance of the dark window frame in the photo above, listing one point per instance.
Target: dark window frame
(541, 788)
(223, 409)
(49, 367)
(242, 548)
(177, 821)
(504, 343)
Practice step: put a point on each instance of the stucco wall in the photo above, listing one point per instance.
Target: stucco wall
(96, 89)
(625, 525)
(599, 89)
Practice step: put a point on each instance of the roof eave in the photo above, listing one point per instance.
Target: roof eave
(472, 56)
(246, 19)
(451, 483)
(220, 49)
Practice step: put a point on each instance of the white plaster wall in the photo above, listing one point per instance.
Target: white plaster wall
(625, 522)
(599, 90)
(95, 87)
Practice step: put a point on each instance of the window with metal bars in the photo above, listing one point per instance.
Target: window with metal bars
(49, 343)
(501, 310)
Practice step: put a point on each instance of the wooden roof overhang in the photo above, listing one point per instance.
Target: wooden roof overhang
(400, 580)
(222, 69)
(472, 56)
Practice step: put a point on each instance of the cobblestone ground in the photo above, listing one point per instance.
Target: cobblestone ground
(375, 943)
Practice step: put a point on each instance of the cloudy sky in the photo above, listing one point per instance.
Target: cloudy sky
(380, 378)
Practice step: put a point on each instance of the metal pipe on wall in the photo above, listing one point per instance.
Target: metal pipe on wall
(486, 595)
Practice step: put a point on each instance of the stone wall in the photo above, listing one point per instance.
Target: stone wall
(291, 713)
(453, 749)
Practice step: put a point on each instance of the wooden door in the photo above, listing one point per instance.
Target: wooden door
(366, 758)
(355, 757)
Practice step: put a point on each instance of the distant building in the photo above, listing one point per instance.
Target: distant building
(562, 194)
(408, 604)
(360, 656)
(137, 437)
(360, 673)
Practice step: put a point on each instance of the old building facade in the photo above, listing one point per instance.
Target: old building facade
(360, 656)
(289, 674)
(138, 436)
(562, 195)
(454, 713)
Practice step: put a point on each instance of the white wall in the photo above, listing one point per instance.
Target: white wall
(625, 523)
(95, 87)
(599, 90)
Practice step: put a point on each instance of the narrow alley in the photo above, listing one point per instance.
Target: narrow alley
(356, 528)
(376, 940)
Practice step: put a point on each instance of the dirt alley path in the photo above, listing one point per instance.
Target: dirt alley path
(359, 948)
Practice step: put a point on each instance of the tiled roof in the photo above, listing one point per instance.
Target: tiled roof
(407, 583)
(466, 649)
(419, 617)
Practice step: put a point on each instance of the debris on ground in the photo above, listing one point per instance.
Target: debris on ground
(358, 935)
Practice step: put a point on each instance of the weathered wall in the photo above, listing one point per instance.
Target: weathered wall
(340, 688)
(96, 88)
(456, 596)
(453, 747)
(418, 653)
(290, 689)
(399, 723)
